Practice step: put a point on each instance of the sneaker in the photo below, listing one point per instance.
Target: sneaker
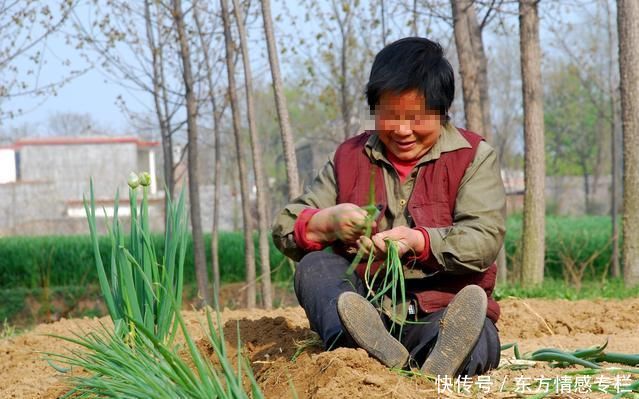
(364, 324)
(459, 330)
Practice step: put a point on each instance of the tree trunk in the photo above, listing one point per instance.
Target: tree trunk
(587, 193)
(473, 67)
(502, 270)
(258, 164)
(343, 86)
(614, 192)
(165, 133)
(215, 239)
(616, 149)
(217, 180)
(235, 186)
(469, 65)
(249, 250)
(533, 245)
(169, 167)
(615, 115)
(167, 114)
(627, 17)
(191, 127)
(344, 26)
(482, 73)
(383, 11)
(413, 24)
(290, 157)
(615, 186)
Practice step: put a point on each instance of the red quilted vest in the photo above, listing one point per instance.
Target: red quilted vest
(432, 204)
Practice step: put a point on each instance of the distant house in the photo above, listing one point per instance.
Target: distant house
(43, 180)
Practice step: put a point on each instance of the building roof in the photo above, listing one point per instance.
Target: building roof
(68, 140)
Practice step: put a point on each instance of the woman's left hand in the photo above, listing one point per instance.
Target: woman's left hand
(408, 241)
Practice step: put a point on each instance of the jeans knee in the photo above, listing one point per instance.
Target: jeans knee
(310, 259)
(319, 266)
(305, 267)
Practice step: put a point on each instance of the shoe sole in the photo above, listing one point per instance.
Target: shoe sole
(459, 331)
(365, 326)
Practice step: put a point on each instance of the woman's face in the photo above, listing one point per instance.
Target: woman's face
(406, 127)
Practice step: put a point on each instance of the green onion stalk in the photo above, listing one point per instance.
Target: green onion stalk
(587, 357)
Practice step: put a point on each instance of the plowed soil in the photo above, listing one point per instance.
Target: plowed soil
(271, 339)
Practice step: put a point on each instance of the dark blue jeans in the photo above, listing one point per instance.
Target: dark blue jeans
(321, 277)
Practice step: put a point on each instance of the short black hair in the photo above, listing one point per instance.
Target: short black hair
(413, 63)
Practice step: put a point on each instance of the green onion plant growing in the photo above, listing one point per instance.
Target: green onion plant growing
(142, 289)
(138, 358)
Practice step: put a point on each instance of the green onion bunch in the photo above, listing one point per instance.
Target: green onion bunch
(392, 284)
(137, 359)
(142, 290)
(587, 357)
(151, 369)
(590, 358)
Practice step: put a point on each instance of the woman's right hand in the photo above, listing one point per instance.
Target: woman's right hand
(344, 222)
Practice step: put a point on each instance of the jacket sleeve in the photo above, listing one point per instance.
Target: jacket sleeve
(477, 234)
(321, 193)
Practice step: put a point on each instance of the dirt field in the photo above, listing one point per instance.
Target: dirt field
(270, 339)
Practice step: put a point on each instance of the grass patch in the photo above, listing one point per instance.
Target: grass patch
(558, 289)
(32, 262)
(584, 240)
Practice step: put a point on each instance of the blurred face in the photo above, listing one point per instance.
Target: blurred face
(405, 126)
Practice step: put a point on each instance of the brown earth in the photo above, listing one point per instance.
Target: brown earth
(272, 338)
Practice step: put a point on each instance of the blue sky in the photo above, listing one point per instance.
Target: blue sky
(96, 94)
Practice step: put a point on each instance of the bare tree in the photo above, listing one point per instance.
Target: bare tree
(615, 142)
(627, 17)
(504, 92)
(258, 163)
(472, 68)
(473, 64)
(383, 21)
(249, 250)
(25, 28)
(598, 87)
(413, 21)
(215, 234)
(290, 157)
(587, 51)
(217, 142)
(155, 40)
(72, 124)
(191, 120)
(139, 59)
(343, 13)
(576, 120)
(532, 269)
(340, 46)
